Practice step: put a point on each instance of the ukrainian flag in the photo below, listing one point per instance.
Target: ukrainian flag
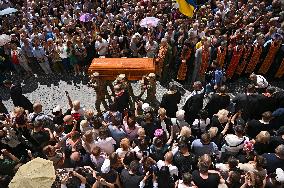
(187, 7)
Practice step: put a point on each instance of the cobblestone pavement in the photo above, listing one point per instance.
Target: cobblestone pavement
(49, 90)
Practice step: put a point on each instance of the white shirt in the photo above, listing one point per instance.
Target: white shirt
(201, 34)
(63, 51)
(164, 127)
(121, 153)
(182, 185)
(66, 20)
(261, 81)
(99, 45)
(106, 145)
(194, 31)
(201, 123)
(173, 169)
(138, 153)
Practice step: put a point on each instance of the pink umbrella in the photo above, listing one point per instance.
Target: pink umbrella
(86, 17)
(149, 22)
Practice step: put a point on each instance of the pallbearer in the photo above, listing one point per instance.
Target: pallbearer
(100, 88)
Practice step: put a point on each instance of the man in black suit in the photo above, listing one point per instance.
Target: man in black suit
(248, 103)
(194, 103)
(17, 96)
(218, 101)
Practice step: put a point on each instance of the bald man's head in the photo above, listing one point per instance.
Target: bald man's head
(169, 157)
(75, 156)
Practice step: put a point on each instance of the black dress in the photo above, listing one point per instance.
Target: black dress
(170, 102)
(19, 99)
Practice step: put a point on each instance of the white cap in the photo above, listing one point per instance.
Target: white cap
(95, 74)
(151, 74)
(121, 76)
(57, 108)
(146, 107)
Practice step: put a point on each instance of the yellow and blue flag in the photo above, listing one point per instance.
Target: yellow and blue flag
(187, 7)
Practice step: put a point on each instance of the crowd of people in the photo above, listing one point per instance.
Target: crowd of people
(225, 142)
(238, 37)
(137, 141)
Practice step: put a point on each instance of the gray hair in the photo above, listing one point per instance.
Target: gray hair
(164, 40)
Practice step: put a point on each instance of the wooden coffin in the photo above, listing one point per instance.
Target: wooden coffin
(133, 68)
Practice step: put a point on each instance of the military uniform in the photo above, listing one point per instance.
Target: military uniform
(151, 91)
(100, 88)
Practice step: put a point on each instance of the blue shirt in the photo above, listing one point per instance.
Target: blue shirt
(117, 134)
(199, 149)
(39, 52)
(218, 77)
(28, 50)
(107, 116)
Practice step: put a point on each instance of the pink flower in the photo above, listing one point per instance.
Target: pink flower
(248, 146)
(158, 133)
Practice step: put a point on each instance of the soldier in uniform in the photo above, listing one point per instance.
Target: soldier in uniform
(149, 85)
(100, 88)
